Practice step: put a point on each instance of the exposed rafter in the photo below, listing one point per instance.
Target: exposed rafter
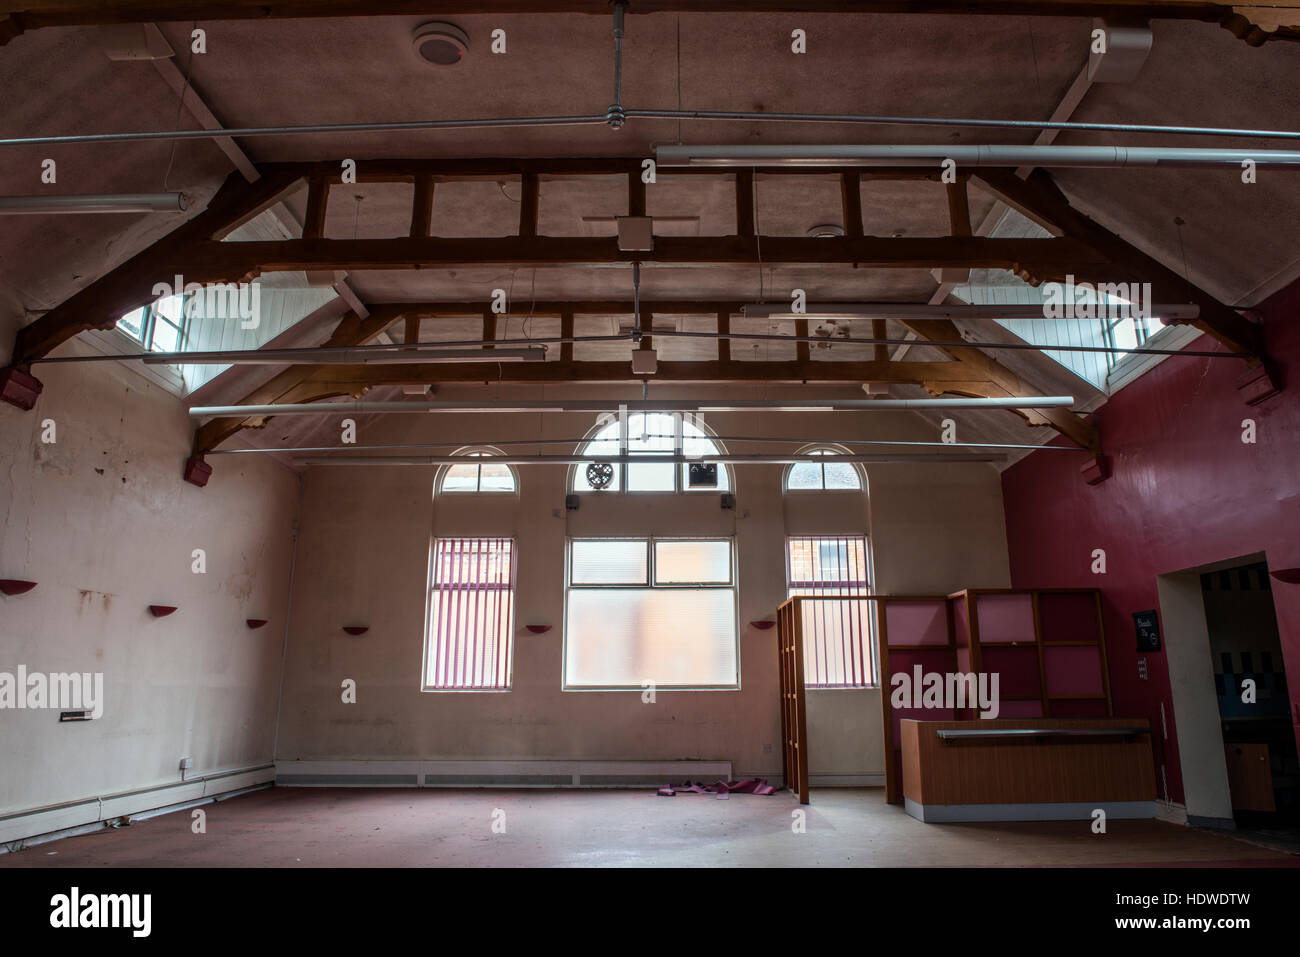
(195, 250)
(982, 367)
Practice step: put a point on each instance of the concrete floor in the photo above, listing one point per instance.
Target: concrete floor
(315, 827)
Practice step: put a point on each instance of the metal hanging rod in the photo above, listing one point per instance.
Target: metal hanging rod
(885, 457)
(508, 443)
(294, 130)
(629, 114)
(362, 407)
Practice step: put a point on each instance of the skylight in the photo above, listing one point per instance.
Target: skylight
(1097, 319)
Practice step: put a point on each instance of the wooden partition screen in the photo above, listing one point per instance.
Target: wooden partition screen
(794, 718)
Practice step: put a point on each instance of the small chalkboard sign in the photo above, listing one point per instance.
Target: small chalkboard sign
(1148, 630)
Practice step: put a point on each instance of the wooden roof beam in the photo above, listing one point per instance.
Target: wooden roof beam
(980, 366)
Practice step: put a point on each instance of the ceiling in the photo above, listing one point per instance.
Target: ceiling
(1238, 242)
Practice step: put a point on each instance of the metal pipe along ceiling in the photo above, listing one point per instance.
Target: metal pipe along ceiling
(879, 458)
(629, 114)
(399, 354)
(362, 407)
(924, 155)
(1176, 312)
(579, 442)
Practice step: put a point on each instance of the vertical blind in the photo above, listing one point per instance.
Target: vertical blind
(471, 615)
(836, 634)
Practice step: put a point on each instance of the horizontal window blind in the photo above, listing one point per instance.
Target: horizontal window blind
(471, 615)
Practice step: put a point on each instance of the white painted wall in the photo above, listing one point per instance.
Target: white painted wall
(363, 558)
(102, 520)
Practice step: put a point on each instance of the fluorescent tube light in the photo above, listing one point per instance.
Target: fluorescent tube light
(97, 203)
(967, 156)
(398, 355)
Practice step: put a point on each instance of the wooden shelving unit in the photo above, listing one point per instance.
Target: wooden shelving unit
(1046, 645)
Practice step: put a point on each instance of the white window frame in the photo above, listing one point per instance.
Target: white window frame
(679, 483)
(429, 586)
(829, 452)
(869, 638)
(650, 540)
(471, 453)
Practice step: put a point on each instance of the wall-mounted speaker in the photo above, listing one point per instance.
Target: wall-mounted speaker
(571, 502)
(728, 500)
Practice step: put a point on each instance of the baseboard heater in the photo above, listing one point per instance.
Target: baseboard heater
(495, 774)
(21, 828)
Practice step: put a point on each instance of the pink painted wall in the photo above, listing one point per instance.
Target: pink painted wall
(1184, 491)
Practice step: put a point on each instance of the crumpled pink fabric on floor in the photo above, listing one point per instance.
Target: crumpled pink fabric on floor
(723, 790)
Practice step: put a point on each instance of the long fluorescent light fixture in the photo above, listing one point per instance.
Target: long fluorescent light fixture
(1180, 312)
(928, 155)
(362, 407)
(96, 203)
(398, 355)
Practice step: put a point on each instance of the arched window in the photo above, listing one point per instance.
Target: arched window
(473, 477)
(650, 433)
(823, 476)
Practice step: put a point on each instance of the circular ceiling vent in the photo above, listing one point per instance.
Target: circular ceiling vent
(440, 43)
(826, 230)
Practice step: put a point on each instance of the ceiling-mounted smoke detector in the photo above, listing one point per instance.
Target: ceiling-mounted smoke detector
(440, 43)
(826, 231)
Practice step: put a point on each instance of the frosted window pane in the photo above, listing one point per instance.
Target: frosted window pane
(496, 478)
(609, 563)
(673, 637)
(692, 563)
(650, 478)
(805, 475)
(461, 478)
(841, 475)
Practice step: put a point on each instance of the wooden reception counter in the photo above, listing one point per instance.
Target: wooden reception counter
(1027, 769)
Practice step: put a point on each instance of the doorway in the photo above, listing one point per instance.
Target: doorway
(1230, 698)
(1254, 703)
